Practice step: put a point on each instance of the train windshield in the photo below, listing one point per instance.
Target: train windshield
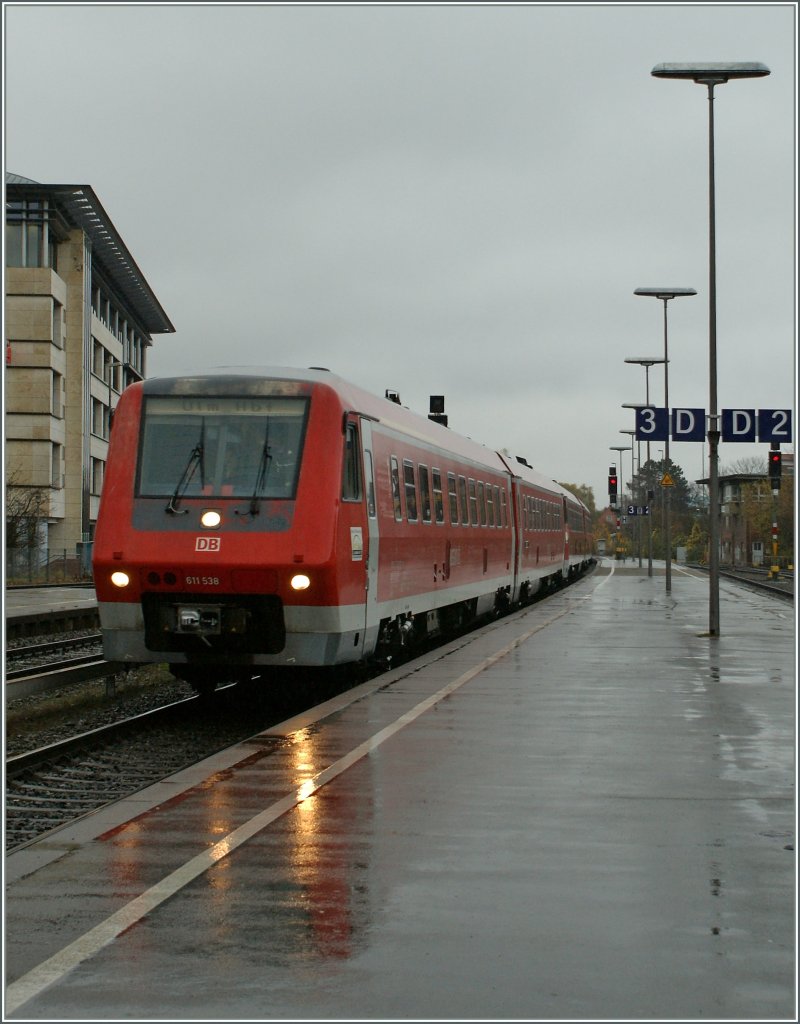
(221, 447)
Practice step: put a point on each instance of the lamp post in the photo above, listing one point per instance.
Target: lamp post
(632, 434)
(710, 74)
(646, 362)
(620, 449)
(647, 481)
(665, 294)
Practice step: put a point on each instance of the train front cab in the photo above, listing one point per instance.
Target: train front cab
(232, 596)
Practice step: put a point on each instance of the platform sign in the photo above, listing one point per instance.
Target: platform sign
(688, 424)
(775, 425)
(771, 425)
(652, 424)
(638, 510)
(739, 424)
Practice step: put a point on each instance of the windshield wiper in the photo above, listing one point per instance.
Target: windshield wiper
(196, 458)
(261, 476)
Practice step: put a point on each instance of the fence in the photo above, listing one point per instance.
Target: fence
(49, 565)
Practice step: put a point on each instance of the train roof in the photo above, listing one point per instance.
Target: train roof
(383, 410)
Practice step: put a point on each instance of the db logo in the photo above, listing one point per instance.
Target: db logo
(207, 543)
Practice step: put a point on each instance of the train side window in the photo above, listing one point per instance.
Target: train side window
(370, 475)
(452, 496)
(351, 478)
(489, 505)
(504, 506)
(438, 502)
(462, 494)
(425, 494)
(473, 503)
(395, 473)
(411, 490)
(481, 503)
(497, 506)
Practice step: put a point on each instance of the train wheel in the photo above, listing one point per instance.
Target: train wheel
(199, 680)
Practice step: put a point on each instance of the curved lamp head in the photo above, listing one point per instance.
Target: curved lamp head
(645, 360)
(665, 293)
(711, 72)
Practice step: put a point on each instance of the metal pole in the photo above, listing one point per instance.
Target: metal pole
(713, 419)
(668, 490)
(649, 481)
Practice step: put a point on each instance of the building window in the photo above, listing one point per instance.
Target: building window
(56, 473)
(97, 475)
(57, 402)
(28, 239)
(58, 324)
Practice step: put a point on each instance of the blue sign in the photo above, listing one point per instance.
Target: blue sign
(688, 424)
(739, 424)
(772, 425)
(652, 424)
(775, 425)
(638, 510)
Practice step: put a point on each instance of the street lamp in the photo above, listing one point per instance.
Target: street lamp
(665, 294)
(646, 362)
(620, 449)
(710, 74)
(648, 482)
(635, 476)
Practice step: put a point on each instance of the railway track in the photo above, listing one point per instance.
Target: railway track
(782, 588)
(51, 786)
(47, 665)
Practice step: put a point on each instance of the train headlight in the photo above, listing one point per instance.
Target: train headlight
(300, 582)
(120, 579)
(210, 518)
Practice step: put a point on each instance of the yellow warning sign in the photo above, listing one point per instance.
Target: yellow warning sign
(667, 481)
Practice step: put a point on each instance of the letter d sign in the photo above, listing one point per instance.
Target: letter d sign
(688, 424)
(738, 424)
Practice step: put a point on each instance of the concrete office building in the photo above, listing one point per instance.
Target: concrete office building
(79, 318)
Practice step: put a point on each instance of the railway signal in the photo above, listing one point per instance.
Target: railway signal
(775, 466)
(612, 484)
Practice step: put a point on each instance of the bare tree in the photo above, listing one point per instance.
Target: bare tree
(750, 464)
(26, 507)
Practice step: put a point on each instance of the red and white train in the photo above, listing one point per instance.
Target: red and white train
(286, 517)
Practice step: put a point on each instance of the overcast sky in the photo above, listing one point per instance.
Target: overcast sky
(454, 200)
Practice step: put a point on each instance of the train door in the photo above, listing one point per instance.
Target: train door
(565, 529)
(371, 547)
(515, 512)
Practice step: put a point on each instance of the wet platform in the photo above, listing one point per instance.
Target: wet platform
(583, 811)
(71, 606)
